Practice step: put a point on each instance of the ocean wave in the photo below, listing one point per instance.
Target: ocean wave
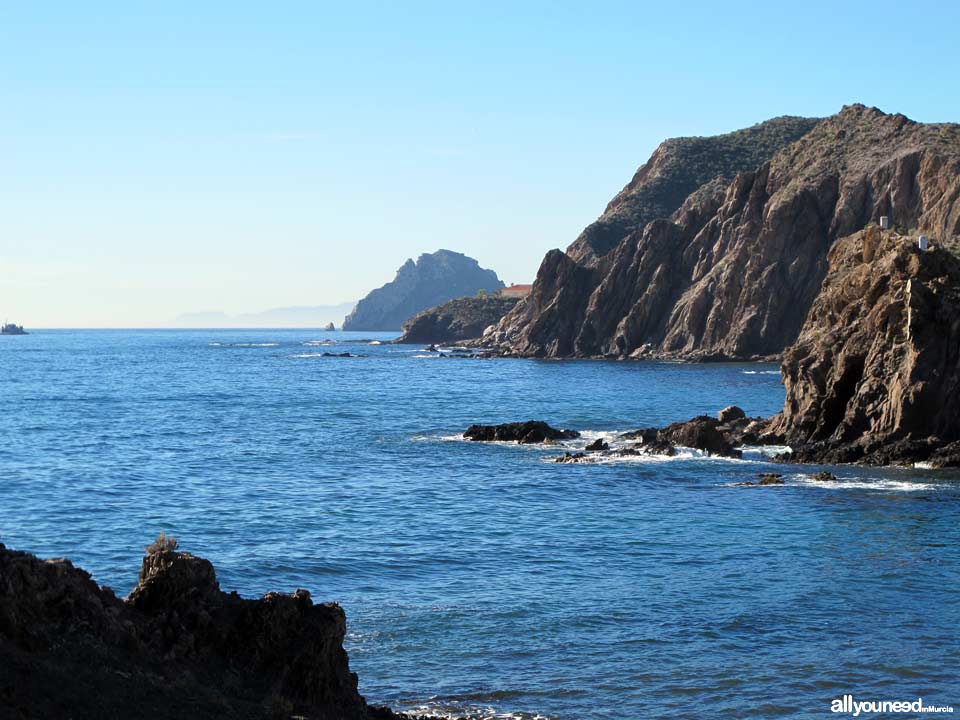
(760, 372)
(468, 711)
(243, 344)
(318, 343)
(326, 355)
(868, 483)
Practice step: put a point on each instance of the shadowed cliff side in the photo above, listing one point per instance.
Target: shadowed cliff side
(875, 375)
(177, 647)
(456, 320)
(735, 268)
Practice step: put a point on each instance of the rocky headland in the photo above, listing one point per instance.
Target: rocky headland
(432, 280)
(873, 378)
(456, 320)
(718, 246)
(176, 647)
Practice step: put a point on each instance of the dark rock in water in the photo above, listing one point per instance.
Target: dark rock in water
(341, 355)
(823, 476)
(598, 444)
(532, 431)
(460, 319)
(715, 436)
(731, 413)
(718, 246)
(571, 457)
(702, 433)
(434, 279)
(177, 647)
(329, 327)
(765, 479)
(874, 377)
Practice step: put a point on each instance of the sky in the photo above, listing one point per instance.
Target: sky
(166, 158)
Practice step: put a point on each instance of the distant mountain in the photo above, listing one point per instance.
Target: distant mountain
(431, 280)
(300, 316)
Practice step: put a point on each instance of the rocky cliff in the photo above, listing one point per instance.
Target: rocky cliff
(731, 269)
(177, 647)
(456, 320)
(431, 280)
(874, 376)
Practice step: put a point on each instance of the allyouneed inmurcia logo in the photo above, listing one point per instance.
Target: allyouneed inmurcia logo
(847, 704)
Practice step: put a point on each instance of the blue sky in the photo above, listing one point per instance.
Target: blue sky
(165, 158)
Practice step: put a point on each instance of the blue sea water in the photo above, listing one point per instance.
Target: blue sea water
(482, 579)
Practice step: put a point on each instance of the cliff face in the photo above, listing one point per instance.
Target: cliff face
(875, 374)
(675, 170)
(732, 272)
(176, 647)
(456, 320)
(432, 280)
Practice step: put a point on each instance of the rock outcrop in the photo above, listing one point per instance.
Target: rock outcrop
(177, 647)
(875, 375)
(728, 268)
(430, 281)
(525, 433)
(456, 320)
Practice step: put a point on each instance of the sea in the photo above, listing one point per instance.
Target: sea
(484, 580)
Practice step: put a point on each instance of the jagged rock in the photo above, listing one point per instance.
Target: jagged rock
(727, 264)
(823, 476)
(730, 414)
(702, 433)
(531, 431)
(875, 375)
(598, 444)
(434, 279)
(176, 647)
(571, 457)
(456, 320)
(329, 327)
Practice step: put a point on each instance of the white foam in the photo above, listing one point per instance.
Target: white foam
(311, 343)
(865, 484)
(760, 372)
(241, 344)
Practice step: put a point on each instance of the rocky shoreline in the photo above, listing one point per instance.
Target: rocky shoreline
(177, 646)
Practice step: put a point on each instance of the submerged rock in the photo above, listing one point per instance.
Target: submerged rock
(531, 431)
(176, 647)
(823, 476)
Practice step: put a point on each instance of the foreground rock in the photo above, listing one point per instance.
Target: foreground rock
(875, 375)
(718, 246)
(529, 432)
(456, 320)
(430, 281)
(177, 647)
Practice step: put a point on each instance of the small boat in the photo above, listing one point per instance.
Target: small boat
(12, 329)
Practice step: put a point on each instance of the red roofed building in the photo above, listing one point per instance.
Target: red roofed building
(517, 291)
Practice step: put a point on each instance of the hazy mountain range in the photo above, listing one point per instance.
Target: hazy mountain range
(309, 316)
